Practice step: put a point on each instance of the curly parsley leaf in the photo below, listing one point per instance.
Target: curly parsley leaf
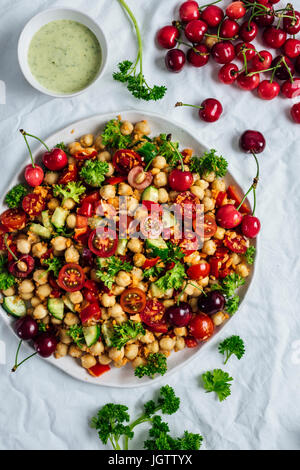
(217, 381)
(15, 196)
(232, 345)
(93, 172)
(110, 424)
(125, 332)
(62, 146)
(7, 280)
(228, 287)
(153, 272)
(76, 333)
(209, 162)
(112, 136)
(168, 149)
(113, 266)
(156, 364)
(172, 279)
(54, 264)
(250, 254)
(160, 439)
(148, 151)
(72, 190)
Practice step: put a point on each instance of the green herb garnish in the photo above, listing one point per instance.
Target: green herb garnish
(93, 172)
(232, 345)
(217, 381)
(15, 196)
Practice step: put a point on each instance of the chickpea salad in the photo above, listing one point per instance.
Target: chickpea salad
(121, 248)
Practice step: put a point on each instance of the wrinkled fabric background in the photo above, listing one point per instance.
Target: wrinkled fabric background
(41, 407)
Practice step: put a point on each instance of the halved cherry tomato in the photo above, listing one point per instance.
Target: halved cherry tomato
(154, 316)
(69, 174)
(187, 202)
(234, 194)
(124, 160)
(151, 227)
(150, 262)
(198, 271)
(190, 342)
(103, 243)
(201, 327)
(133, 300)
(115, 180)
(13, 219)
(206, 228)
(236, 242)
(220, 198)
(98, 370)
(86, 154)
(33, 204)
(91, 312)
(71, 277)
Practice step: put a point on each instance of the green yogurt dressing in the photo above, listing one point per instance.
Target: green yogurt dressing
(64, 56)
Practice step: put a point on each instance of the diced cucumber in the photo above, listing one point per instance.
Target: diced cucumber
(121, 248)
(69, 304)
(102, 262)
(156, 291)
(40, 230)
(14, 306)
(59, 217)
(150, 194)
(46, 220)
(91, 334)
(107, 332)
(157, 247)
(168, 219)
(56, 307)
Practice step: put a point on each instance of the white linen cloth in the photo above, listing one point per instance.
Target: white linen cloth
(43, 408)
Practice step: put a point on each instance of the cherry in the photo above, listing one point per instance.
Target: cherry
(248, 82)
(175, 60)
(55, 159)
(223, 52)
(252, 141)
(292, 25)
(297, 65)
(285, 69)
(273, 1)
(267, 19)
(45, 344)
(291, 89)
(228, 216)
(189, 11)
(179, 315)
(167, 37)
(268, 90)
(250, 226)
(212, 15)
(274, 37)
(195, 30)
(26, 327)
(229, 28)
(248, 48)
(34, 175)
(212, 302)
(295, 113)
(180, 180)
(228, 73)
(262, 61)
(212, 110)
(236, 10)
(291, 48)
(248, 31)
(262, 2)
(198, 55)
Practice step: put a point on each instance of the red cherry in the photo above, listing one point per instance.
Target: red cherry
(262, 61)
(295, 113)
(34, 175)
(292, 25)
(267, 90)
(282, 70)
(291, 89)
(229, 28)
(248, 82)
(267, 19)
(291, 48)
(55, 159)
(273, 1)
(195, 30)
(175, 60)
(250, 226)
(248, 48)
(198, 55)
(228, 217)
(167, 36)
(180, 180)
(248, 32)
(252, 141)
(297, 65)
(274, 37)
(228, 73)
(223, 52)
(236, 10)
(189, 11)
(212, 15)
(211, 110)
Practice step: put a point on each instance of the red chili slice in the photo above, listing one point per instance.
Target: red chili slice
(236, 242)
(86, 154)
(69, 174)
(103, 243)
(154, 316)
(71, 277)
(220, 198)
(91, 312)
(33, 204)
(124, 160)
(115, 180)
(149, 263)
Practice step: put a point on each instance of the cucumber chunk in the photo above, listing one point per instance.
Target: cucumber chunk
(69, 304)
(56, 307)
(14, 306)
(121, 248)
(107, 332)
(157, 247)
(59, 217)
(91, 334)
(39, 230)
(46, 220)
(150, 194)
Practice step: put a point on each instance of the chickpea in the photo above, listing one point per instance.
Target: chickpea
(44, 291)
(71, 319)
(26, 286)
(159, 162)
(179, 344)
(208, 193)
(209, 247)
(111, 170)
(139, 259)
(153, 347)
(193, 258)
(97, 348)
(104, 156)
(189, 289)
(61, 351)
(72, 255)
(69, 203)
(126, 128)
(104, 359)
(87, 140)
(98, 143)
(209, 204)
(75, 297)
(135, 245)
(125, 189)
(168, 303)
(117, 290)
(115, 311)
(55, 321)
(202, 184)
(218, 185)
(26, 296)
(142, 127)
(220, 233)
(163, 196)
(197, 191)
(88, 361)
(40, 276)
(123, 279)
(59, 243)
(168, 294)
(242, 269)
(132, 204)
(53, 204)
(75, 351)
(218, 318)
(108, 300)
(194, 304)
(209, 177)
(167, 343)
(160, 179)
(147, 338)
(203, 283)
(137, 273)
(107, 191)
(8, 292)
(173, 195)
(180, 331)
(71, 221)
(236, 259)
(141, 213)
(143, 286)
(51, 177)
(116, 354)
(40, 312)
(131, 351)
(75, 147)
(23, 246)
(138, 361)
(39, 249)
(64, 337)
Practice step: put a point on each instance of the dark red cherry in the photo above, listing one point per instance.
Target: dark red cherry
(198, 55)
(282, 71)
(45, 344)
(223, 52)
(248, 32)
(212, 302)
(211, 110)
(195, 30)
(179, 315)
(252, 141)
(265, 20)
(295, 113)
(248, 82)
(212, 15)
(262, 61)
(291, 89)
(175, 60)
(291, 48)
(26, 328)
(180, 180)
(291, 25)
(228, 73)
(248, 49)
(297, 65)
(228, 216)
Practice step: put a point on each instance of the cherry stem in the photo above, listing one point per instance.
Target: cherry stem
(192, 47)
(34, 137)
(29, 149)
(252, 187)
(178, 154)
(15, 367)
(8, 249)
(208, 4)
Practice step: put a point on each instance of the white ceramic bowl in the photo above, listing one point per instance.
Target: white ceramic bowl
(36, 23)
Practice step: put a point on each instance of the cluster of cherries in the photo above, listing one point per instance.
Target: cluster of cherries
(211, 32)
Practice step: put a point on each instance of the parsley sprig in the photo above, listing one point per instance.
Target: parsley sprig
(7, 280)
(15, 196)
(156, 364)
(232, 345)
(250, 254)
(112, 136)
(217, 381)
(209, 162)
(173, 278)
(54, 264)
(72, 190)
(113, 266)
(76, 333)
(228, 287)
(93, 172)
(125, 332)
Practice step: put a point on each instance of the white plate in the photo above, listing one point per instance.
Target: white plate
(124, 377)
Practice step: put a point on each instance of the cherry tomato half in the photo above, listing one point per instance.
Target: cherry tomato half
(103, 243)
(33, 204)
(233, 193)
(98, 370)
(236, 242)
(206, 228)
(154, 316)
(13, 219)
(71, 277)
(198, 271)
(124, 160)
(133, 300)
(151, 227)
(69, 174)
(201, 327)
